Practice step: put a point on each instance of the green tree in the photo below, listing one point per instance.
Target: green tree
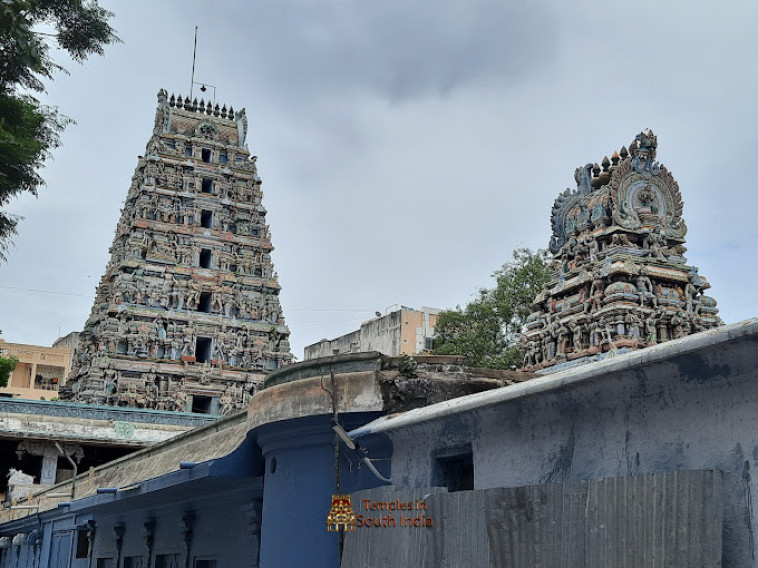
(29, 131)
(7, 364)
(487, 331)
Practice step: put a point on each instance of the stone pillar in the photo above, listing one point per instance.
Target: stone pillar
(49, 464)
(33, 375)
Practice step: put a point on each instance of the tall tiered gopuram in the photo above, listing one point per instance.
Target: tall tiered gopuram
(187, 314)
(620, 280)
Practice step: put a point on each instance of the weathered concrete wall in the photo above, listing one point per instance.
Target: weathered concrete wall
(400, 332)
(78, 410)
(198, 445)
(669, 519)
(30, 426)
(691, 404)
(666, 519)
(82, 423)
(348, 343)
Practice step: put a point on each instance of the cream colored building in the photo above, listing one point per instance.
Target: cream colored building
(403, 331)
(40, 370)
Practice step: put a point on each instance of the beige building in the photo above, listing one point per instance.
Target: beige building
(40, 370)
(403, 331)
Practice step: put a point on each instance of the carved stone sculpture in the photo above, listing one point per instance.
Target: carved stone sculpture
(620, 280)
(176, 292)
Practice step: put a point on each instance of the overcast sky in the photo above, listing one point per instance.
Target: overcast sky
(406, 148)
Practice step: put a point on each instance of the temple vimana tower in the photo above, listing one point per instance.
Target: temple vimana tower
(187, 314)
(620, 279)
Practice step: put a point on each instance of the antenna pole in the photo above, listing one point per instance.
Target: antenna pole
(194, 53)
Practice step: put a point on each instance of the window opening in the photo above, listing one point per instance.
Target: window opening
(207, 186)
(455, 472)
(203, 349)
(188, 151)
(201, 404)
(206, 219)
(205, 258)
(204, 305)
(206, 154)
(82, 543)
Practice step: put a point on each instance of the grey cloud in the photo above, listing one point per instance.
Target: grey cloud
(398, 49)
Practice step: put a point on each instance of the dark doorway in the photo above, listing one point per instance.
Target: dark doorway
(203, 349)
(205, 258)
(201, 404)
(205, 303)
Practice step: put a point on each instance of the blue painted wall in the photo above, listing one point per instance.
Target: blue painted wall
(299, 487)
(236, 518)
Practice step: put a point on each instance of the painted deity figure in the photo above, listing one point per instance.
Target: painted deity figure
(691, 292)
(677, 321)
(632, 322)
(651, 331)
(188, 341)
(655, 243)
(576, 335)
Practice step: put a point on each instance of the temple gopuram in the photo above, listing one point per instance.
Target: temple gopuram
(187, 314)
(620, 280)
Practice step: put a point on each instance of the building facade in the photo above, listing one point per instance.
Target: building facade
(187, 314)
(40, 371)
(404, 331)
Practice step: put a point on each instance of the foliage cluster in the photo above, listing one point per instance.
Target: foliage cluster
(488, 329)
(29, 131)
(7, 364)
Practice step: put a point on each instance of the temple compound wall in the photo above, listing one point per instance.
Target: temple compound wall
(187, 314)
(643, 459)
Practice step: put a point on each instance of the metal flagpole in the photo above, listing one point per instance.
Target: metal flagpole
(194, 53)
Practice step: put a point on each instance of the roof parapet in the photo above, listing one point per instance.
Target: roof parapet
(209, 109)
